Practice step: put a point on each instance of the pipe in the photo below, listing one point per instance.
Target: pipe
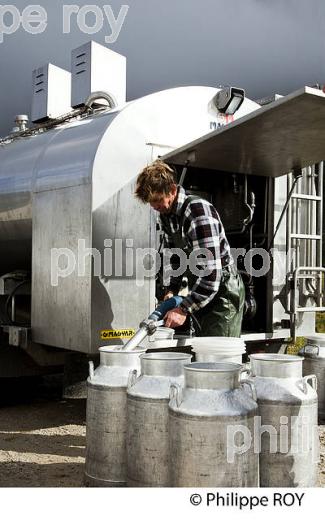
(9, 299)
(149, 326)
(41, 127)
(266, 202)
(183, 175)
(251, 209)
(94, 96)
(297, 177)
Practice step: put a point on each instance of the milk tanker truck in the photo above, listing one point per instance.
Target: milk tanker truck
(70, 224)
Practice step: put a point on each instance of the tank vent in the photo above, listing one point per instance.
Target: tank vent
(38, 84)
(80, 64)
(21, 123)
(51, 93)
(95, 68)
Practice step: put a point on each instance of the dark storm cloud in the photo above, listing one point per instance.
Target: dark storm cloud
(264, 46)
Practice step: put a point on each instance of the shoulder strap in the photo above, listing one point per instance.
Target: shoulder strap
(165, 224)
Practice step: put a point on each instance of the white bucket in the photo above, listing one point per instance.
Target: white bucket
(215, 349)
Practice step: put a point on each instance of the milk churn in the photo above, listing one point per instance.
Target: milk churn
(147, 404)
(314, 363)
(106, 417)
(288, 414)
(211, 428)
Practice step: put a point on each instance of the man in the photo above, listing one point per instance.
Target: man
(215, 298)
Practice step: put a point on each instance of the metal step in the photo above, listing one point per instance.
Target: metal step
(309, 251)
(310, 309)
(299, 236)
(304, 196)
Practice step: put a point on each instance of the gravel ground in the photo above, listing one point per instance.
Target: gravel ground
(42, 439)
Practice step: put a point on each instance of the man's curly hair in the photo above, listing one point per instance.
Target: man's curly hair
(158, 177)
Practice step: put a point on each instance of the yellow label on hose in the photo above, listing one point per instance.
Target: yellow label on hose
(117, 334)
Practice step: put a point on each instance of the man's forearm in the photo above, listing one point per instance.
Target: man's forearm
(201, 294)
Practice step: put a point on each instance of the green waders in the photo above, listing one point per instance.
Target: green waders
(223, 315)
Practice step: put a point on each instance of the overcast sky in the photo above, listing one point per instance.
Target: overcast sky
(264, 46)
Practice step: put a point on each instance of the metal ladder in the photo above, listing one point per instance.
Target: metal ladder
(304, 244)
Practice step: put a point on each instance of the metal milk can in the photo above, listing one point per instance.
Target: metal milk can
(147, 406)
(314, 363)
(211, 428)
(106, 417)
(289, 444)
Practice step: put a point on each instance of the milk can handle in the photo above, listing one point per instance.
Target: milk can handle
(91, 369)
(252, 387)
(245, 370)
(313, 383)
(133, 374)
(316, 347)
(175, 395)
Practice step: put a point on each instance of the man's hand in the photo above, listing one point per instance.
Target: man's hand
(175, 318)
(168, 295)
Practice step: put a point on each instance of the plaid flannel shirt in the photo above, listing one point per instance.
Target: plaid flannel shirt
(202, 228)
